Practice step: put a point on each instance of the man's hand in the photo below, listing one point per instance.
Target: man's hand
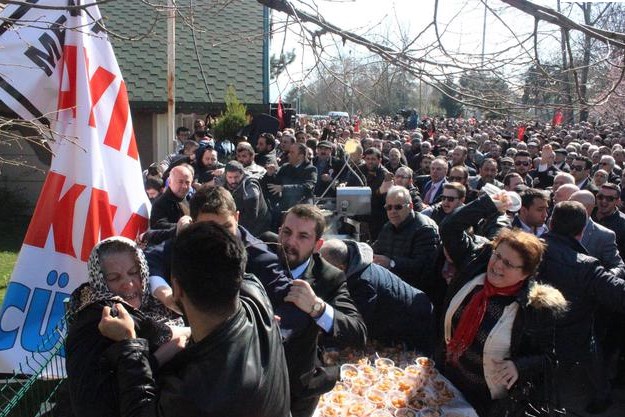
(118, 328)
(302, 295)
(547, 156)
(183, 222)
(386, 185)
(168, 350)
(274, 188)
(271, 169)
(382, 260)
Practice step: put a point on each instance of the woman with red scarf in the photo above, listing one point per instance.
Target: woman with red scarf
(498, 324)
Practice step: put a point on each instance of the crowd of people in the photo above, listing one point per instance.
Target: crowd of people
(228, 301)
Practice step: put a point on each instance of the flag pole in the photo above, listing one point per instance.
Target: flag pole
(171, 75)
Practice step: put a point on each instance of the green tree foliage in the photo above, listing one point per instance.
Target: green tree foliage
(448, 102)
(230, 122)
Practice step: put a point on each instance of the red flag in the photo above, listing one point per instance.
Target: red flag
(557, 118)
(521, 132)
(357, 125)
(281, 124)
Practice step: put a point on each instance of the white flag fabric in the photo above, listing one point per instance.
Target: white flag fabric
(58, 66)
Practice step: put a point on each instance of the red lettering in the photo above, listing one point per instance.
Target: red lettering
(54, 211)
(119, 119)
(136, 225)
(101, 80)
(99, 223)
(67, 99)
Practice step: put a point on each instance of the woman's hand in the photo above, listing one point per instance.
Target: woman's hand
(506, 373)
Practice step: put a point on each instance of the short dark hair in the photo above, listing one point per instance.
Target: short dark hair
(310, 212)
(522, 153)
(182, 129)
(457, 187)
(212, 200)
(530, 194)
(508, 178)
(270, 139)
(235, 166)
(568, 218)
(613, 187)
(212, 283)
(373, 151)
(586, 160)
(154, 183)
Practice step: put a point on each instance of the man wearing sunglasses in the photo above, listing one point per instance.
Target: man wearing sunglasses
(607, 213)
(453, 197)
(522, 165)
(580, 169)
(408, 242)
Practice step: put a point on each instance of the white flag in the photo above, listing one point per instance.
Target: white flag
(59, 66)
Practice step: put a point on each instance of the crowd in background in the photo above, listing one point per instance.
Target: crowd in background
(517, 304)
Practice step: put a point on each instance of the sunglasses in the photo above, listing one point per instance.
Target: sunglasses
(607, 198)
(524, 163)
(578, 167)
(448, 198)
(456, 179)
(506, 263)
(395, 207)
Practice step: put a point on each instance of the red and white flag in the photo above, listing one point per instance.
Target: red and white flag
(58, 65)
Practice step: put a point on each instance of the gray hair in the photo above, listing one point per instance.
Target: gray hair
(399, 191)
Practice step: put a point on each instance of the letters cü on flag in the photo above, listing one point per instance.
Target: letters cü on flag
(58, 65)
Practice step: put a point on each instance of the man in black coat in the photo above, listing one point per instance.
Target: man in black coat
(295, 181)
(320, 290)
(235, 365)
(587, 286)
(266, 150)
(172, 204)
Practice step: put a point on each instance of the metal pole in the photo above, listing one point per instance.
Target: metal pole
(171, 75)
(484, 33)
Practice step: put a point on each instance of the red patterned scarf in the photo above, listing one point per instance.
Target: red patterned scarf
(472, 317)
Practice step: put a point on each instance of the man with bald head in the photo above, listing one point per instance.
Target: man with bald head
(172, 204)
(599, 241)
(564, 192)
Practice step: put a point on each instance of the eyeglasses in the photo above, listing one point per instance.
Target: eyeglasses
(448, 198)
(524, 163)
(604, 163)
(506, 263)
(608, 198)
(395, 207)
(578, 167)
(456, 179)
(402, 176)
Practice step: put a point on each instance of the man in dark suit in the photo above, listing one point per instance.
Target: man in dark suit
(295, 181)
(320, 290)
(433, 189)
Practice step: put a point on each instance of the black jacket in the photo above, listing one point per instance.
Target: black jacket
(92, 386)
(586, 285)
(616, 223)
(167, 210)
(297, 183)
(413, 246)
(308, 377)
(237, 371)
(533, 329)
(254, 214)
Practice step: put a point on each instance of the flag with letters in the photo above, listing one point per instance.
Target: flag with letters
(58, 69)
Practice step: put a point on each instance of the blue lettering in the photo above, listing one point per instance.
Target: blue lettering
(17, 297)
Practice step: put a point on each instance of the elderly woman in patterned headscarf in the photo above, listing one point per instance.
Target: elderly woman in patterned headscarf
(118, 272)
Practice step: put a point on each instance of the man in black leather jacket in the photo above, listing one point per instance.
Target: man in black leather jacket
(234, 365)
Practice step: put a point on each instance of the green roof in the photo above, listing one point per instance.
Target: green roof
(229, 39)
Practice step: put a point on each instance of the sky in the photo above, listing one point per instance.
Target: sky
(460, 23)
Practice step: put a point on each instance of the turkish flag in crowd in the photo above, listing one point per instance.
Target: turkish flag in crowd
(281, 123)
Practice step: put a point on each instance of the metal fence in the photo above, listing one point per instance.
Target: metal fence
(32, 390)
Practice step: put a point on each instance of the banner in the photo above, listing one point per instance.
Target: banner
(58, 67)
